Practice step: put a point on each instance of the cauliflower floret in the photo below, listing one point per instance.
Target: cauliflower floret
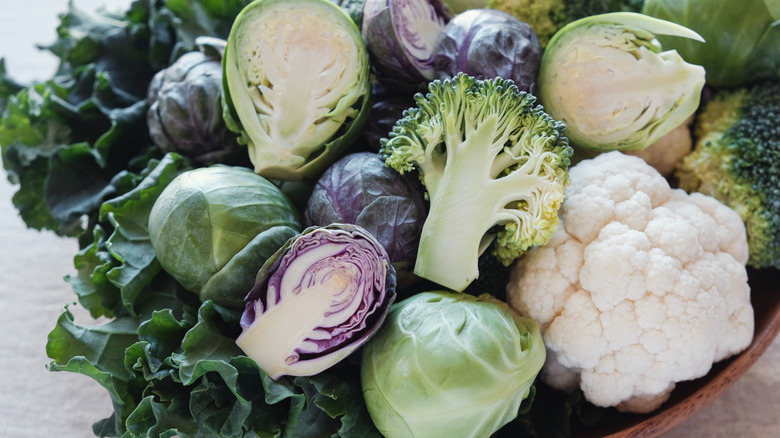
(642, 286)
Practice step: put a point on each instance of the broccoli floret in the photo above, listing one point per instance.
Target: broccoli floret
(736, 159)
(547, 16)
(494, 166)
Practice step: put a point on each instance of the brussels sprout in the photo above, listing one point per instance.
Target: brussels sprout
(741, 38)
(359, 189)
(486, 43)
(401, 35)
(296, 75)
(324, 294)
(449, 364)
(387, 106)
(212, 228)
(185, 110)
(607, 79)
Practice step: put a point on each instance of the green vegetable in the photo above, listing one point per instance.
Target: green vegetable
(296, 81)
(741, 38)
(735, 159)
(449, 364)
(494, 167)
(213, 228)
(548, 16)
(609, 81)
(170, 363)
(68, 141)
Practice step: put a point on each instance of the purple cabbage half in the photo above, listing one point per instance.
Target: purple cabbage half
(359, 189)
(488, 43)
(400, 36)
(318, 299)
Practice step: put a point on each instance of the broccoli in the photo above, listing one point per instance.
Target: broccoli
(736, 159)
(547, 16)
(494, 166)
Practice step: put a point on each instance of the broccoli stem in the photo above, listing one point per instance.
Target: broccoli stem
(463, 208)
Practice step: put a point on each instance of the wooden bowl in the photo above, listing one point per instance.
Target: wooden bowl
(689, 397)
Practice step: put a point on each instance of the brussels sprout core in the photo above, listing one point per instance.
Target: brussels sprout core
(297, 75)
(322, 296)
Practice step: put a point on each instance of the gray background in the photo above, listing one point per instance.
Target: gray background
(37, 403)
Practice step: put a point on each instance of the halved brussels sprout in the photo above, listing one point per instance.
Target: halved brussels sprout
(401, 36)
(607, 78)
(296, 75)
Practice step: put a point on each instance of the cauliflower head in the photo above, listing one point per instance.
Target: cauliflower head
(642, 286)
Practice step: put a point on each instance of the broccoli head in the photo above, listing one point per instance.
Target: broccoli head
(736, 159)
(547, 16)
(494, 166)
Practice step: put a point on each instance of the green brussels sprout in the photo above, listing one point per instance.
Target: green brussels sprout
(297, 85)
(449, 364)
(213, 228)
(607, 78)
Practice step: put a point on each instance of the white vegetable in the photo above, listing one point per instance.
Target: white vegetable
(641, 287)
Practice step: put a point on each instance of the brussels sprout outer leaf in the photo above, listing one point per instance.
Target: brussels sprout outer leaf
(298, 111)
(243, 266)
(639, 22)
(317, 300)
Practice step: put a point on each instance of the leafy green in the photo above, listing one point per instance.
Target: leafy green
(66, 141)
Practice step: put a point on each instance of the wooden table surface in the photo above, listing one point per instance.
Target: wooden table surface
(37, 403)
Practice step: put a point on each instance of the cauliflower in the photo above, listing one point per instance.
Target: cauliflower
(642, 286)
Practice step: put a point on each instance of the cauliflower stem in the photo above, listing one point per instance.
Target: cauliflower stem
(494, 166)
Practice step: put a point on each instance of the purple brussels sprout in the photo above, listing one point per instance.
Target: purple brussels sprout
(320, 297)
(400, 35)
(488, 43)
(359, 189)
(387, 106)
(185, 108)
